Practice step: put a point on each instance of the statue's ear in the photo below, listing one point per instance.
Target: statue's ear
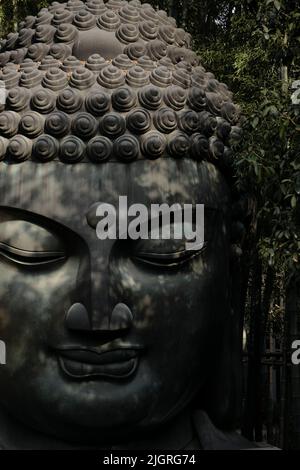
(223, 391)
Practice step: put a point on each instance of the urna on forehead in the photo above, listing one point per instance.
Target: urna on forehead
(102, 81)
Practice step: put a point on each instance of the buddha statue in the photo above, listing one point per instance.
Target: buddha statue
(125, 344)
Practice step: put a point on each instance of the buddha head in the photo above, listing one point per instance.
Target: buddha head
(108, 339)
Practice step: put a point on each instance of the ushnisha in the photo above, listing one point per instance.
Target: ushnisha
(111, 81)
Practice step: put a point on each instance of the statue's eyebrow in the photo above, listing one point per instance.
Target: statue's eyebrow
(47, 226)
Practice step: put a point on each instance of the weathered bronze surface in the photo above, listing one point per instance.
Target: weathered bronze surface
(107, 345)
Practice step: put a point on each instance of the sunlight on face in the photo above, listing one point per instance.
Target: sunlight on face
(125, 376)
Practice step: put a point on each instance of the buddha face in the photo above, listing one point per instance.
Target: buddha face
(107, 338)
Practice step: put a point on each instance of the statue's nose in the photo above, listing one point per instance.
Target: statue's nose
(77, 318)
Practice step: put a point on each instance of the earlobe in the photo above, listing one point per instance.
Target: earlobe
(223, 393)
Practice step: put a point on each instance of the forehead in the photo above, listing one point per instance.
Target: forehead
(65, 193)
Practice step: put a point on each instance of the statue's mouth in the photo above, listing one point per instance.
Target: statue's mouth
(87, 363)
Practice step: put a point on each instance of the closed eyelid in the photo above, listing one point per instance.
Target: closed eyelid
(173, 254)
(29, 254)
(168, 260)
(30, 258)
(28, 237)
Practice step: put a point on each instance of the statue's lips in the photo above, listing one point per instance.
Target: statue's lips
(118, 363)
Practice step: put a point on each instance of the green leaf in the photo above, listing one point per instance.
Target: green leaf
(277, 4)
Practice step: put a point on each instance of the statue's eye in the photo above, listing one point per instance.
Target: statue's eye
(28, 244)
(166, 250)
(169, 259)
(175, 244)
(30, 258)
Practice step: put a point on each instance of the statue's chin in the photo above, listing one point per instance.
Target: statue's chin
(59, 435)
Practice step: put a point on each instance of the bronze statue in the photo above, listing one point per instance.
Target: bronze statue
(115, 345)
